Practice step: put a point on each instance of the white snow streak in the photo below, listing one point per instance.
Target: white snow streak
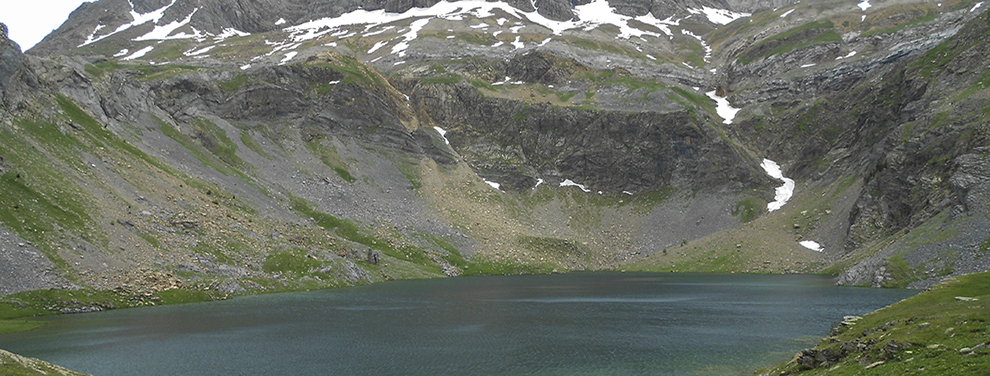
(864, 5)
(782, 193)
(121, 53)
(849, 55)
(977, 6)
(138, 20)
(442, 132)
(280, 21)
(493, 184)
(787, 13)
(812, 245)
(288, 57)
(569, 183)
(591, 15)
(377, 46)
(719, 16)
(384, 29)
(162, 32)
(517, 44)
(139, 53)
(808, 65)
(723, 108)
(199, 51)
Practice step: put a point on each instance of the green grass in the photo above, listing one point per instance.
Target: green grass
(411, 172)
(787, 45)
(354, 72)
(350, 231)
(293, 260)
(15, 326)
(220, 144)
(450, 78)
(747, 209)
(322, 88)
(928, 17)
(981, 84)
(235, 84)
(215, 139)
(564, 96)
(207, 249)
(504, 267)
(922, 335)
(330, 158)
(482, 85)
(249, 141)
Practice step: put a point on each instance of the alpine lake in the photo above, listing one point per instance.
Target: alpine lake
(561, 324)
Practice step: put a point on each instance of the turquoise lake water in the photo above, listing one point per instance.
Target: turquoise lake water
(565, 324)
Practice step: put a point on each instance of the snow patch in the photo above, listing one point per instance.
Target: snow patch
(441, 131)
(230, 33)
(808, 65)
(719, 16)
(569, 183)
(723, 107)
(281, 21)
(245, 66)
(812, 245)
(787, 13)
(163, 32)
(864, 5)
(139, 53)
(414, 29)
(538, 182)
(121, 53)
(977, 6)
(517, 44)
(384, 29)
(200, 51)
(288, 57)
(377, 46)
(849, 55)
(589, 16)
(493, 184)
(781, 193)
(138, 20)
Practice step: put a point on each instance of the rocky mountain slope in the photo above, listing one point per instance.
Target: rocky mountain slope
(191, 149)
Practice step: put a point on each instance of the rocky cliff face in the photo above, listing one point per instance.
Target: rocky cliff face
(236, 145)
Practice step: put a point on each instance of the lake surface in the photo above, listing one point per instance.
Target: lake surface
(566, 324)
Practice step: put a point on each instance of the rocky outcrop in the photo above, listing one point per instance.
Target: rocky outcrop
(517, 144)
(14, 72)
(971, 181)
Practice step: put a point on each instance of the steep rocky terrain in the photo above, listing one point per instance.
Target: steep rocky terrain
(171, 150)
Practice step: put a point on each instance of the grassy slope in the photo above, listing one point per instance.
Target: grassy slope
(16, 365)
(932, 333)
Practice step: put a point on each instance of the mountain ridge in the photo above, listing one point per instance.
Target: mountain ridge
(493, 138)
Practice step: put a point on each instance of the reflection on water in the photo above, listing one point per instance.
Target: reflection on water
(570, 324)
